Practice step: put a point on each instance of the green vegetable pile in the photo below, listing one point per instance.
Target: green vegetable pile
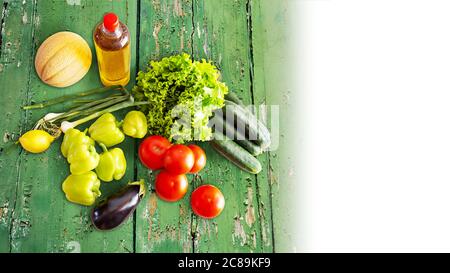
(182, 96)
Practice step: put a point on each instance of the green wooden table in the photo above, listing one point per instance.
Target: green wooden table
(237, 35)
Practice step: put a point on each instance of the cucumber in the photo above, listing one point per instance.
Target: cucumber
(231, 96)
(229, 130)
(235, 153)
(255, 130)
(251, 147)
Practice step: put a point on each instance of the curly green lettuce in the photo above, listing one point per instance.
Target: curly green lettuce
(183, 95)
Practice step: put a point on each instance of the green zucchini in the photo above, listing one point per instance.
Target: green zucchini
(254, 128)
(235, 153)
(230, 131)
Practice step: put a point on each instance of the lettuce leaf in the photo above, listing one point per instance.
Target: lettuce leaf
(183, 95)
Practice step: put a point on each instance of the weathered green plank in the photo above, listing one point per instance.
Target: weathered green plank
(165, 29)
(270, 36)
(43, 220)
(14, 72)
(269, 175)
(222, 35)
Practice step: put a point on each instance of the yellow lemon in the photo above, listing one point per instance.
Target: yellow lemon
(36, 141)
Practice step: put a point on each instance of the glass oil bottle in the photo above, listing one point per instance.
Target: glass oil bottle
(112, 45)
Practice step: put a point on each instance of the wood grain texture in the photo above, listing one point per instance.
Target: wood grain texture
(270, 37)
(236, 35)
(42, 220)
(14, 74)
(165, 29)
(223, 36)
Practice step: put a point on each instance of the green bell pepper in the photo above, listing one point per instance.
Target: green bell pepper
(106, 130)
(112, 164)
(135, 124)
(82, 189)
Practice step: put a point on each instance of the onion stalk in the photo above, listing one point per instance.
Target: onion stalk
(72, 96)
(66, 125)
(56, 123)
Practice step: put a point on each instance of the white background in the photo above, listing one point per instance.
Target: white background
(375, 149)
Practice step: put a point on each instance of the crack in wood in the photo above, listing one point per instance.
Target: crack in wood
(31, 62)
(136, 159)
(250, 39)
(13, 208)
(251, 74)
(193, 27)
(194, 221)
(23, 126)
(194, 218)
(2, 25)
(260, 206)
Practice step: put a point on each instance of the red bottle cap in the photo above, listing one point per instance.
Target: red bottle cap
(111, 22)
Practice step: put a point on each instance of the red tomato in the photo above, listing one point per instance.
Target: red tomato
(152, 150)
(199, 157)
(179, 159)
(171, 187)
(207, 201)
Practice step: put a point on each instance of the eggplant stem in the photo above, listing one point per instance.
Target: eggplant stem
(142, 188)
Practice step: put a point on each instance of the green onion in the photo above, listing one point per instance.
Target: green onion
(66, 125)
(85, 110)
(72, 96)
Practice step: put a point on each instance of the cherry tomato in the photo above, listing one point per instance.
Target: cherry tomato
(152, 150)
(207, 201)
(199, 157)
(179, 159)
(171, 187)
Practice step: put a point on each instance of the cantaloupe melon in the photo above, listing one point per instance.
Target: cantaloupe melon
(63, 59)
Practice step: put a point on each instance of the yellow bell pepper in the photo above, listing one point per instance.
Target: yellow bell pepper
(112, 164)
(106, 130)
(135, 124)
(80, 152)
(82, 189)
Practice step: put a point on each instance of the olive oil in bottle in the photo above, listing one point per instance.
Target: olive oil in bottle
(112, 45)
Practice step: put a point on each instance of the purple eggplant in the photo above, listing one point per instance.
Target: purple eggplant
(115, 209)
